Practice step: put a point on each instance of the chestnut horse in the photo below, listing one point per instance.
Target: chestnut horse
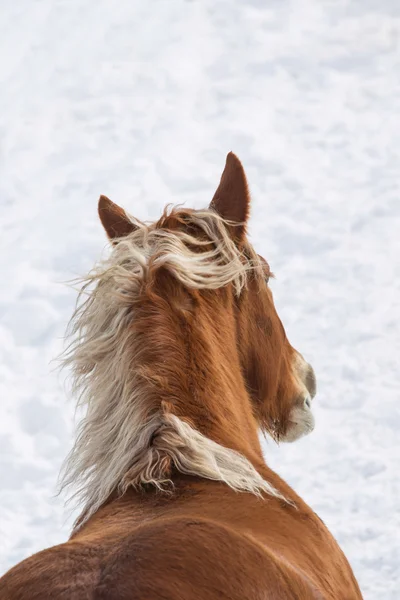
(180, 359)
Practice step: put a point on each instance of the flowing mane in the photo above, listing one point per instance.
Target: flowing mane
(129, 436)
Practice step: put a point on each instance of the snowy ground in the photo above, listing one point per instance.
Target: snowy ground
(141, 101)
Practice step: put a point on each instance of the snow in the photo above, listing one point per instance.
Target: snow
(141, 101)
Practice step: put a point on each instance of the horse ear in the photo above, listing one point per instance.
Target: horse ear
(232, 198)
(114, 219)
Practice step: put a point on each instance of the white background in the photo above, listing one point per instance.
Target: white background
(141, 100)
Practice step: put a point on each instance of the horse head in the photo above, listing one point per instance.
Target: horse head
(179, 353)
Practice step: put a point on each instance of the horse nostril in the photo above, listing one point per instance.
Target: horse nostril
(311, 381)
(307, 402)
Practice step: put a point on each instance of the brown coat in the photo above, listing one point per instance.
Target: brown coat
(218, 360)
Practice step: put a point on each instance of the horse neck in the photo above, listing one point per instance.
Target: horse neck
(192, 362)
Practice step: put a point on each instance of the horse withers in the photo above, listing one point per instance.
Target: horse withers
(180, 358)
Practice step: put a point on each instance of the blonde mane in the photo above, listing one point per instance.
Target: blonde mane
(125, 439)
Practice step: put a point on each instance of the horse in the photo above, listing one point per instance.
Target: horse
(180, 360)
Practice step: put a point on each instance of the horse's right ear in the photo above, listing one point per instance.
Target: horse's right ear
(114, 219)
(232, 198)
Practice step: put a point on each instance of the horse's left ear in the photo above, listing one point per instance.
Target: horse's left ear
(232, 198)
(114, 219)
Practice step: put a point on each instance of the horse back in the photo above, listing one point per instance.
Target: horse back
(171, 559)
(191, 558)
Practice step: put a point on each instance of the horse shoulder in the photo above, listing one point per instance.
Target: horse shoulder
(66, 571)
